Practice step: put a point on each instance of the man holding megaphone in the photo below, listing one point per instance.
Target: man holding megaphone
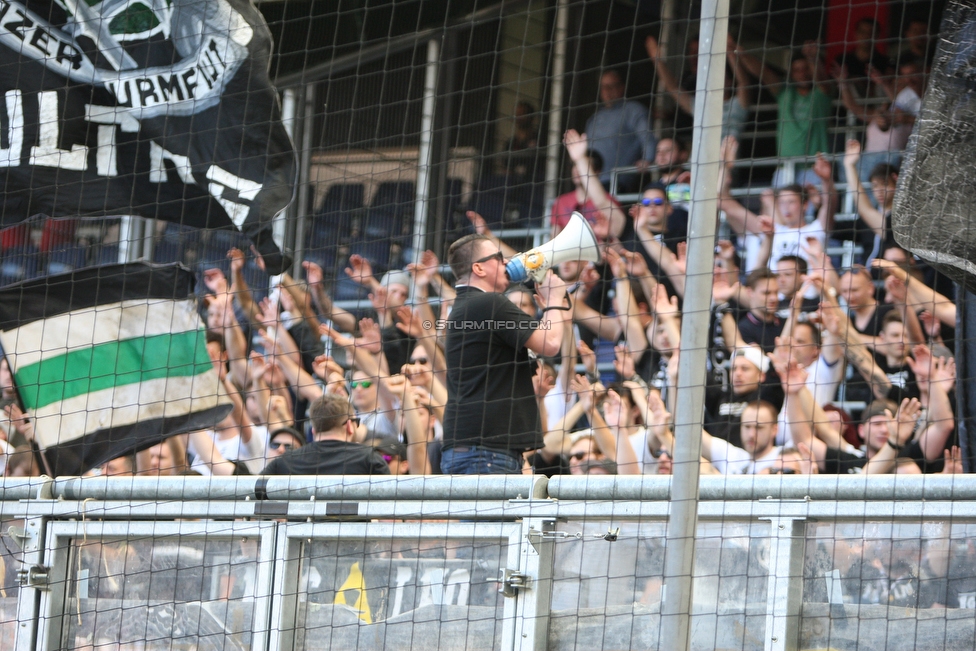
(492, 417)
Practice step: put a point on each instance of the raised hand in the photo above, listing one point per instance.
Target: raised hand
(618, 265)
(360, 270)
(369, 336)
(215, 281)
(681, 257)
(542, 382)
(378, 298)
(636, 264)
(852, 152)
(904, 421)
(418, 374)
(930, 324)
(267, 314)
(313, 273)
(581, 386)
(479, 223)
(823, 169)
(896, 291)
(953, 461)
(730, 150)
(613, 408)
(410, 323)
(587, 357)
(236, 257)
(653, 49)
(623, 362)
(341, 339)
(576, 144)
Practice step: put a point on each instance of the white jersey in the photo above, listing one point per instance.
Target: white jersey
(731, 460)
(786, 241)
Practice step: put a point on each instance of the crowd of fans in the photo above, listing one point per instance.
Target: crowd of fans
(813, 367)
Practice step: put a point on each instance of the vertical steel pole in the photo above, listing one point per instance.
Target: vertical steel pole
(555, 140)
(426, 149)
(706, 144)
(303, 207)
(289, 118)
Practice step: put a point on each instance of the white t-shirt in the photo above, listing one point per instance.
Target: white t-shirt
(908, 101)
(786, 241)
(641, 442)
(731, 460)
(822, 381)
(556, 404)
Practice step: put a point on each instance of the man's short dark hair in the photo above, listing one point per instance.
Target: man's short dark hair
(290, 431)
(883, 172)
(758, 275)
(877, 408)
(894, 316)
(795, 188)
(461, 254)
(596, 160)
(657, 186)
(814, 331)
(801, 264)
(761, 404)
(328, 412)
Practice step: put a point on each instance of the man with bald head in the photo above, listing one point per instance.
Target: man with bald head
(619, 131)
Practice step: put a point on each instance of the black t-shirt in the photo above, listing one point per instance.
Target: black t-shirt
(857, 70)
(490, 398)
(397, 346)
(675, 233)
(839, 462)
(764, 333)
(873, 326)
(329, 457)
(723, 408)
(902, 378)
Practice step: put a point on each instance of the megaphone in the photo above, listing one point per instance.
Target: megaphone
(576, 242)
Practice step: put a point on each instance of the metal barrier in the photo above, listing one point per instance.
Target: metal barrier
(482, 562)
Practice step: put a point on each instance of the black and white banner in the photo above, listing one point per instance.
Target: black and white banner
(156, 108)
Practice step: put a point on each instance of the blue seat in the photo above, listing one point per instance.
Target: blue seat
(331, 227)
(17, 264)
(61, 261)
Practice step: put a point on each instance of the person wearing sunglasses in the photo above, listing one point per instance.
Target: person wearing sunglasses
(658, 229)
(333, 450)
(282, 440)
(372, 408)
(492, 417)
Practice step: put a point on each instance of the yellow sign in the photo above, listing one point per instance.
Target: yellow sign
(355, 581)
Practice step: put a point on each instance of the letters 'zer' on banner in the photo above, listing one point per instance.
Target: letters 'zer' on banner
(109, 360)
(154, 108)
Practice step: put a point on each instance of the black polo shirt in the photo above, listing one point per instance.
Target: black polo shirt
(329, 457)
(490, 398)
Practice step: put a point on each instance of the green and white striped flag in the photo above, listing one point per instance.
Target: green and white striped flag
(109, 360)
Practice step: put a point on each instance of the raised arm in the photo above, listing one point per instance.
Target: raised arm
(772, 80)
(828, 195)
(900, 429)
(871, 215)
(576, 147)
(684, 99)
(857, 352)
(739, 74)
(552, 296)
(342, 319)
(481, 228)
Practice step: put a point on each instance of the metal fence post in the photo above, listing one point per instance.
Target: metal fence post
(784, 590)
(680, 550)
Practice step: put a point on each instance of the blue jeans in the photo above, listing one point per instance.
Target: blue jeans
(464, 460)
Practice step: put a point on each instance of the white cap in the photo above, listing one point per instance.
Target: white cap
(755, 355)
